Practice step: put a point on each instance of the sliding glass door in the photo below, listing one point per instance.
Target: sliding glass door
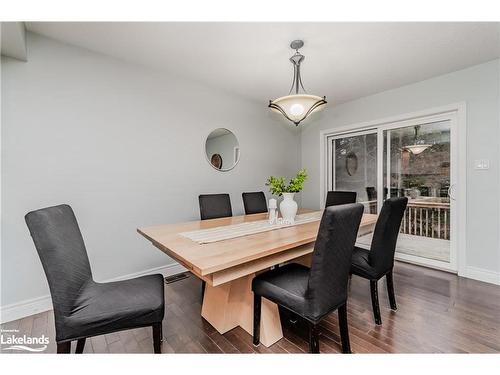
(417, 165)
(412, 159)
(354, 166)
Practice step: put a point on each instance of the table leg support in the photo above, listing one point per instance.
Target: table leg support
(231, 304)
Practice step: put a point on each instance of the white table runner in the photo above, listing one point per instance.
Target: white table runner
(238, 230)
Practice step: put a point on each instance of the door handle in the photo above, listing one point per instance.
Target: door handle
(450, 191)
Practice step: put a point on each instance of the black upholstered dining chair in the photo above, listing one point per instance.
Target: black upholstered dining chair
(312, 293)
(254, 203)
(378, 262)
(335, 198)
(82, 307)
(214, 206)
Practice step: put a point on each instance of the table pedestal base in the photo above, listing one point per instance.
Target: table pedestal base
(231, 304)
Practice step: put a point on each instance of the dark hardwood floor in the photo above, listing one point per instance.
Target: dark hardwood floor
(438, 313)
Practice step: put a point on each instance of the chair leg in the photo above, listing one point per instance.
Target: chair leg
(344, 331)
(390, 291)
(313, 339)
(257, 303)
(203, 283)
(80, 344)
(375, 305)
(64, 347)
(157, 337)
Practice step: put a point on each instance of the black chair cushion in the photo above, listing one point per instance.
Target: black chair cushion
(82, 307)
(108, 307)
(285, 286)
(332, 257)
(315, 292)
(361, 266)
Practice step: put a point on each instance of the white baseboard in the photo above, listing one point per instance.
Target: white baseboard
(168, 270)
(429, 263)
(40, 304)
(25, 308)
(481, 274)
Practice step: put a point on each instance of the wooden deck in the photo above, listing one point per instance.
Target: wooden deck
(438, 313)
(425, 247)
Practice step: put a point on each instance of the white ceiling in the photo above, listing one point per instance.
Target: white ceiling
(13, 40)
(343, 61)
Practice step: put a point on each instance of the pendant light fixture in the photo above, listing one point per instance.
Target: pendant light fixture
(419, 146)
(298, 106)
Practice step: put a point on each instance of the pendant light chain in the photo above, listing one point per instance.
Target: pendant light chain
(296, 60)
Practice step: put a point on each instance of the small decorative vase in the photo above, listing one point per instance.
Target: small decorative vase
(288, 208)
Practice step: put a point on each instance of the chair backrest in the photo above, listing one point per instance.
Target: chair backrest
(331, 259)
(61, 249)
(385, 235)
(335, 198)
(213, 206)
(254, 203)
(371, 192)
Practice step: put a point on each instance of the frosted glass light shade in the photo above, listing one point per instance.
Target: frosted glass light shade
(297, 107)
(417, 149)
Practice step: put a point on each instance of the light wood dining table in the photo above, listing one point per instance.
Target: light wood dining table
(228, 266)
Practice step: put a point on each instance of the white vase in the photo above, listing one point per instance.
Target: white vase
(288, 208)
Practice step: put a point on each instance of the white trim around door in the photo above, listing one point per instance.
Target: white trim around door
(456, 113)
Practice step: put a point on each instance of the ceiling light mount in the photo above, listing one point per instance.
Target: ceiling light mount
(296, 107)
(297, 44)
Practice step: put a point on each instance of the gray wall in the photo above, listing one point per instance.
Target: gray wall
(124, 146)
(478, 86)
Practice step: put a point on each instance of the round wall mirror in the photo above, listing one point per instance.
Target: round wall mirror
(222, 149)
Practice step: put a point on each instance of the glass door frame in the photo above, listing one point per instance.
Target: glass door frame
(456, 115)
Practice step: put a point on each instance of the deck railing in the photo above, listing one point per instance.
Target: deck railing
(427, 219)
(421, 218)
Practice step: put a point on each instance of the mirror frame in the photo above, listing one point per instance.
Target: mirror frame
(208, 157)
